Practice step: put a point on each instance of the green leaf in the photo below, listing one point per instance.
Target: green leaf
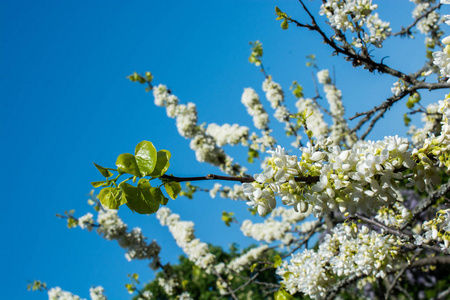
(172, 188)
(284, 24)
(158, 195)
(282, 295)
(97, 184)
(146, 157)
(126, 163)
(105, 172)
(278, 261)
(111, 197)
(162, 163)
(140, 199)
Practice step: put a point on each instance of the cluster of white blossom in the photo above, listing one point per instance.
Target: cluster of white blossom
(339, 130)
(442, 59)
(228, 134)
(185, 296)
(431, 21)
(426, 171)
(431, 122)
(168, 284)
(394, 216)
(361, 178)
(255, 109)
(183, 233)
(86, 221)
(273, 229)
(436, 230)
(275, 95)
(314, 117)
(266, 141)
(235, 193)
(145, 295)
(206, 147)
(96, 293)
(353, 15)
(346, 251)
(244, 261)
(399, 87)
(111, 227)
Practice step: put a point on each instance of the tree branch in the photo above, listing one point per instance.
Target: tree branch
(307, 179)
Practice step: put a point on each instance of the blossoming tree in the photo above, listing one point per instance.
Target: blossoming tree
(342, 215)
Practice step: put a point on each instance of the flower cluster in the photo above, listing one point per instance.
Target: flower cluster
(96, 293)
(228, 134)
(361, 178)
(255, 109)
(346, 251)
(431, 123)
(314, 118)
(393, 216)
(442, 59)
(353, 15)
(183, 233)
(244, 261)
(429, 23)
(436, 231)
(273, 229)
(235, 193)
(339, 130)
(206, 147)
(111, 227)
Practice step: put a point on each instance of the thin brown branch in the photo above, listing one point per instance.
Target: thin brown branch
(306, 179)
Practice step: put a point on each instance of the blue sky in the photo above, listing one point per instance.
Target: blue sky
(67, 103)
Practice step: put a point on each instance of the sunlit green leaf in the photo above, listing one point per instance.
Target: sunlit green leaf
(278, 261)
(146, 157)
(162, 163)
(140, 199)
(126, 163)
(97, 184)
(111, 197)
(282, 295)
(105, 172)
(172, 188)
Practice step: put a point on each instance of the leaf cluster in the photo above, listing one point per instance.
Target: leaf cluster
(142, 198)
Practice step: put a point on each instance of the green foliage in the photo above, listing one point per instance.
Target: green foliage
(413, 99)
(252, 154)
(189, 191)
(162, 164)
(228, 218)
(131, 287)
(143, 198)
(104, 171)
(281, 294)
(111, 197)
(173, 189)
(282, 16)
(126, 163)
(37, 285)
(406, 119)
(146, 157)
(311, 61)
(297, 90)
(257, 53)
